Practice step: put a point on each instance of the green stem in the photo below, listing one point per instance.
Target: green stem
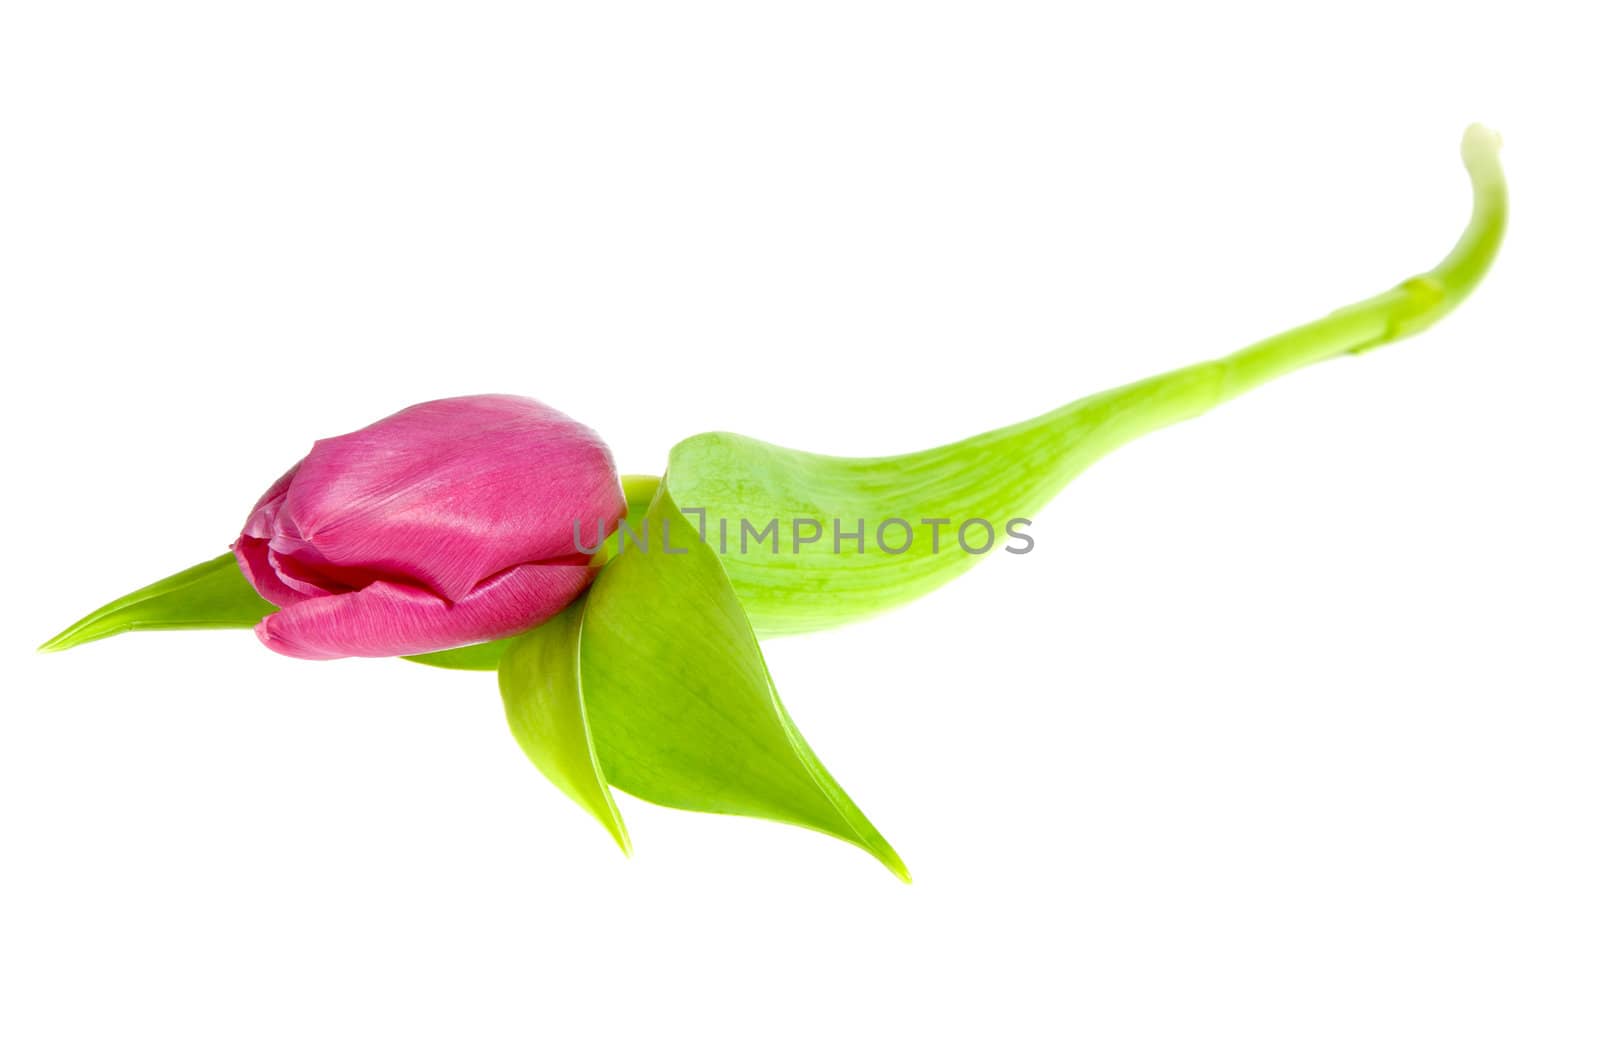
(1404, 310)
(1013, 471)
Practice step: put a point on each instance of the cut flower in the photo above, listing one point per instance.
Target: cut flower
(448, 533)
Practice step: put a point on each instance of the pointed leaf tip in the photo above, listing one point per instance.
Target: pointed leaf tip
(679, 701)
(213, 594)
(544, 707)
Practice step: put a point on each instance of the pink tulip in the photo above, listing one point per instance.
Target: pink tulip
(448, 523)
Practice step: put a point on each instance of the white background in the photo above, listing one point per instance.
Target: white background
(1281, 746)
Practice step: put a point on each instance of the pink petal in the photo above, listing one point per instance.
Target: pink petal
(265, 513)
(387, 619)
(256, 564)
(445, 494)
(255, 560)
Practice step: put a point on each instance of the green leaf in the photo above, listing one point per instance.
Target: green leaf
(674, 696)
(544, 705)
(212, 594)
(739, 487)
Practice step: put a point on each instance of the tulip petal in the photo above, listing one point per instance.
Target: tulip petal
(485, 656)
(478, 657)
(386, 619)
(444, 495)
(257, 564)
(259, 526)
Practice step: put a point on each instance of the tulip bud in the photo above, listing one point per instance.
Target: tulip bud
(448, 523)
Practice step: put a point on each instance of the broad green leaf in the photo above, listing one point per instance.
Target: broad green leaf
(544, 705)
(485, 656)
(680, 703)
(212, 594)
(738, 487)
(675, 697)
